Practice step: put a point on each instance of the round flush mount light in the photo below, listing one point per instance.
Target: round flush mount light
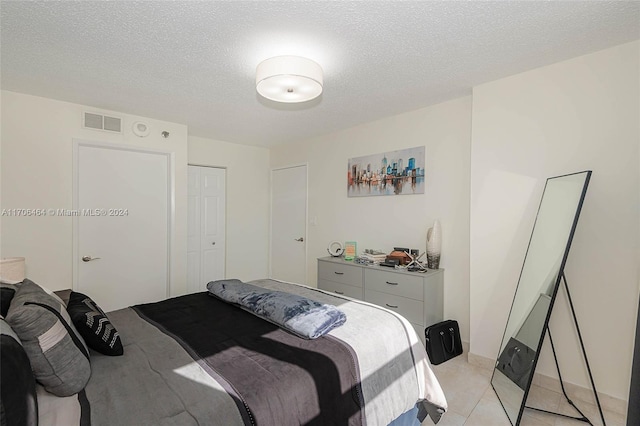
(289, 79)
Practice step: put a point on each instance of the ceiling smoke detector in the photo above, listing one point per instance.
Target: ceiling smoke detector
(141, 129)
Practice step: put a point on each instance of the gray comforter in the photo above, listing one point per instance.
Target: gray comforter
(159, 382)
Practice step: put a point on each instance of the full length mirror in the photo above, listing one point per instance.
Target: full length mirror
(539, 279)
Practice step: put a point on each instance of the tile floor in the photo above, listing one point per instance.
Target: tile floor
(472, 401)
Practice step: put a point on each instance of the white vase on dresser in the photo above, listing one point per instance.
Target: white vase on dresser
(434, 245)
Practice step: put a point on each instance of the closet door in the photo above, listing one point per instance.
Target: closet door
(206, 227)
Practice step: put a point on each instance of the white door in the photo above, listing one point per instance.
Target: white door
(289, 224)
(205, 227)
(122, 198)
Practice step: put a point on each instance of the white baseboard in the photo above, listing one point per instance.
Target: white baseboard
(465, 347)
(608, 402)
(481, 361)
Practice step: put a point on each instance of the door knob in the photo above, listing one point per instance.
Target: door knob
(89, 258)
(299, 239)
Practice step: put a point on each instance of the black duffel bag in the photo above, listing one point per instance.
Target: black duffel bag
(443, 341)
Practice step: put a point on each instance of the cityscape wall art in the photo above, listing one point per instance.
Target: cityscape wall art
(390, 173)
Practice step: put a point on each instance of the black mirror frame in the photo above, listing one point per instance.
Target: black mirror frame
(553, 296)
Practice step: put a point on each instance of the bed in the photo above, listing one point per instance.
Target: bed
(197, 360)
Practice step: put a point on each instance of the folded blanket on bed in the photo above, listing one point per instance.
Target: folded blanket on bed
(301, 316)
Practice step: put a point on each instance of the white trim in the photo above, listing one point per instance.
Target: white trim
(171, 200)
(306, 216)
(208, 166)
(171, 223)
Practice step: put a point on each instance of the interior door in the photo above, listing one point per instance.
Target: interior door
(121, 228)
(206, 226)
(289, 224)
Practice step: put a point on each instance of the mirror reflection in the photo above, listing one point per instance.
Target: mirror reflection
(533, 300)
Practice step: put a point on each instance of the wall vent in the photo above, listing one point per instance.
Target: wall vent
(101, 122)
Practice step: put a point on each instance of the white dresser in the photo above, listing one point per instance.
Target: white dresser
(417, 296)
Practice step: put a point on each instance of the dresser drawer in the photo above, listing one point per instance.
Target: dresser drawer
(345, 274)
(392, 283)
(341, 289)
(409, 308)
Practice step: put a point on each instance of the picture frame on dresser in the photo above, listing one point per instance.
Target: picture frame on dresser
(417, 296)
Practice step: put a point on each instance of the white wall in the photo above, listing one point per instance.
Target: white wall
(247, 195)
(571, 116)
(37, 150)
(385, 222)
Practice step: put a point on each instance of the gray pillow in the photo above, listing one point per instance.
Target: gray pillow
(58, 355)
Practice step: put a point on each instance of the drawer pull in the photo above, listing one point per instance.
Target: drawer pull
(339, 292)
(338, 273)
(391, 306)
(391, 283)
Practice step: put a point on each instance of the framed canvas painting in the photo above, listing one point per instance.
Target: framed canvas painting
(389, 173)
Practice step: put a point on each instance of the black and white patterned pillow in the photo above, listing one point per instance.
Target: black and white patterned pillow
(93, 325)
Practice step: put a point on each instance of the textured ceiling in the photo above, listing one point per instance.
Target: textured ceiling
(194, 62)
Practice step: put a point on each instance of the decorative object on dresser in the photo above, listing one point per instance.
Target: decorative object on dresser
(434, 245)
(416, 264)
(350, 251)
(417, 296)
(401, 255)
(371, 257)
(335, 248)
(391, 263)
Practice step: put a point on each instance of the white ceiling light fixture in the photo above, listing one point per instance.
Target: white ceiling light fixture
(289, 79)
